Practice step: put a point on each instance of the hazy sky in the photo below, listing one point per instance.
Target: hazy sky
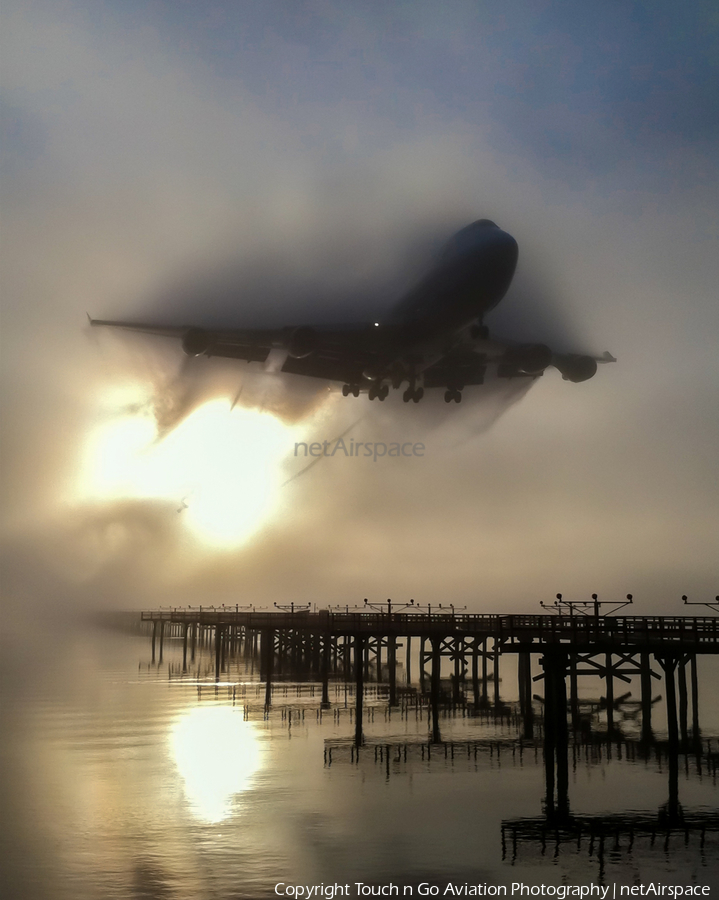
(300, 161)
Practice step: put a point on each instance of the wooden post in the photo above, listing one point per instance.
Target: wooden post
(326, 650)
(154, 635)
(218, 652)
(549, 730)
(184, 648)
(562, 736)
(668, 663)
(646, 688)
(408, 659)
(574, 689)
(683, 701)
(496, 672)
(484, 672)
(268, 636)
(392, 663)
(609, 676)
(436, 663)
(162, 636)
(475, 672)
(458, 668)
(359, 686)
(193, 642)
(696, 736)
(224, 639)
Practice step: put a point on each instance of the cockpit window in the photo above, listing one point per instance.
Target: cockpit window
(468, 238)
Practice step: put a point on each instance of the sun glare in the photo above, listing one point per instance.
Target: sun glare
(217, 754)
(221, 468)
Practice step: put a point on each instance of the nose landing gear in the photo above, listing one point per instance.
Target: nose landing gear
(348, 389)
(453, 394)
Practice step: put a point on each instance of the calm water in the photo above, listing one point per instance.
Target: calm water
(124, 779)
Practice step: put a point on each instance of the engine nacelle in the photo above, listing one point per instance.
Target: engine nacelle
(574, 367)
(532, 359)
(196, 341)
(301, 342)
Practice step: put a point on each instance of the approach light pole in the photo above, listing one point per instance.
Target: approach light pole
(710, 604)
(586, 607)
(293, 607)
(452, 608)
(380, 607)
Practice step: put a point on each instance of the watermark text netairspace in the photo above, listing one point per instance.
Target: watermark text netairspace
(354, 449)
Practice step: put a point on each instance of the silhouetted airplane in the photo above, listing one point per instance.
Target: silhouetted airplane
(433, 338)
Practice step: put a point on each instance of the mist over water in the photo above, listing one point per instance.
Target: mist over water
(224, 164)
(126, 777)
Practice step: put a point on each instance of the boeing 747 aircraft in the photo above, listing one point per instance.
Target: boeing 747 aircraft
(434, 338)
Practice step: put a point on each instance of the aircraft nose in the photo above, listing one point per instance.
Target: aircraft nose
(502, 261)
(504, 253)
(506, 249)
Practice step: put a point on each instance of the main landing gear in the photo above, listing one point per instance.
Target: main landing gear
(415, 394)
(378, 392)
(453, 394)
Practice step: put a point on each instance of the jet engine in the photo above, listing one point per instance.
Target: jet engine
(574, 367)
(531, 359)
(196, 341)
(301, 342)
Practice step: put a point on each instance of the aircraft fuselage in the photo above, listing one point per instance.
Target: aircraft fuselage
(472, 276)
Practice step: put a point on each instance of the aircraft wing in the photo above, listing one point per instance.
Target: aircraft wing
(468, 364)
(339, 353)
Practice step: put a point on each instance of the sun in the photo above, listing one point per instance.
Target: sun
(221, 468)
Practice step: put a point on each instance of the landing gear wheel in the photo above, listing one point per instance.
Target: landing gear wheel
(457, 396)
(383, 392)
(407, 396)
(418, 394)
(355, 390)
(448, 396)
(373, 392)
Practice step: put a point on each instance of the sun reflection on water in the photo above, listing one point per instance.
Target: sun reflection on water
(217, 753)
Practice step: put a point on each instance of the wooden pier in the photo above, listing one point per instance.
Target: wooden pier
(352, 644)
